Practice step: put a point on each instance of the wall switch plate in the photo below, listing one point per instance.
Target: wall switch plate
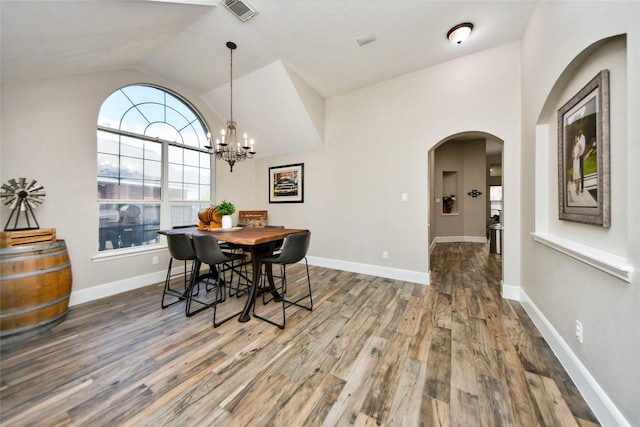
(385, 255)
(578, 331)
(405, 197)
(154, 260)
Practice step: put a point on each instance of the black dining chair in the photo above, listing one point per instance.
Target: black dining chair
(244, 282)
(208, 252)
(294, 250)
(278, 243)
(181, 249)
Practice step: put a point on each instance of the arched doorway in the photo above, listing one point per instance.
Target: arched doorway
(465, 190)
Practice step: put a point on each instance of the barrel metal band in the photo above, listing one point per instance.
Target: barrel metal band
(35, 325)
(35, 307)
(35, 273)
(28, 257)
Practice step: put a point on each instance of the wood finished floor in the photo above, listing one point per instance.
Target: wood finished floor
(373, 352)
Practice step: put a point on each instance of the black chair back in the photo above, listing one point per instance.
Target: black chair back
(295, 248)
(180, 247)
(208, 250)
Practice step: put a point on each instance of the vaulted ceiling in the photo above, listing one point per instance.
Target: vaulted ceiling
(291, 56)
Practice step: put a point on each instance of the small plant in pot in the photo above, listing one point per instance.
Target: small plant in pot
(226, 209)
(448, 202)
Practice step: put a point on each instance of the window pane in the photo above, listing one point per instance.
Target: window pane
(131, 189)
(205, 176)
(108, 143)
(175, 172)
(191, 174)
(108, 165)
(191, 192)
(175, 192)
(131, 147)
(139, 94)
(152, 190)
(108, 189)
(134, 122)
(125, 225)
(191, 157)
(152, 151)
(186, 213)
(152, 170)
(175, 154)
(176, 119)
(131, 167)
(205, 193)
(152, 112)
(112, 110)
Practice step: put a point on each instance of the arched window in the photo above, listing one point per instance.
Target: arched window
(153, 169)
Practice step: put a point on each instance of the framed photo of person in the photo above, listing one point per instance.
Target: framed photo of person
(583, 155)
(286, 183)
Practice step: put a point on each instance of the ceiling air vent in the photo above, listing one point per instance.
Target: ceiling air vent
(243, 10)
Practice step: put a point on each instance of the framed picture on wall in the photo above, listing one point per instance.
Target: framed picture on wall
(583, 154)
(286, 183)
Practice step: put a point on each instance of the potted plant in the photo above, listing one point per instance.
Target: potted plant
(226, 209)
(448, 202)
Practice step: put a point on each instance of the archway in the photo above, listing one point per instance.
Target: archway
(465, 182)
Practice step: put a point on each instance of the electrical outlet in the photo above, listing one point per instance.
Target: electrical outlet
(578, 331)
(154, 260)
(385, 255)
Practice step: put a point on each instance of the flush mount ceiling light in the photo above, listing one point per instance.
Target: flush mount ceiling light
(460, 32)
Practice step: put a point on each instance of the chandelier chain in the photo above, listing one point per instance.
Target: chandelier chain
(231, 85)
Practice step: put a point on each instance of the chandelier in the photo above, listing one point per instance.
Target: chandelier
(228, 148)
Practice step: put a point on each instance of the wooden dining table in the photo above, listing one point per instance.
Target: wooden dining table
(259, 241)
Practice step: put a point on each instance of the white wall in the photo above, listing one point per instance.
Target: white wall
(554, 68)
(376, 148)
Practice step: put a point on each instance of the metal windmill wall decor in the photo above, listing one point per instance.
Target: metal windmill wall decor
(22, 196)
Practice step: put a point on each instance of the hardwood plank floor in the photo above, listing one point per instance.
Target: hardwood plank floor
(374, 351)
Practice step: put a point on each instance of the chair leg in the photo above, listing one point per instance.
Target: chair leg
(221, 288)
(243, 273)
(310, 306)
(194, 289)
(169, 291)
(285, 302)
(281, 291)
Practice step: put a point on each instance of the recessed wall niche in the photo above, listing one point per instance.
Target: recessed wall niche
(449, 190)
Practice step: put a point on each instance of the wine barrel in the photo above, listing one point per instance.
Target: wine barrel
(35, 285)
(210, 217)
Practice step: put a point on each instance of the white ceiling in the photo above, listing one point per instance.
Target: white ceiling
(185, 43)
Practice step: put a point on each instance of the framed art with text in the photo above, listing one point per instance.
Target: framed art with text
(286, 183)
(583, 154)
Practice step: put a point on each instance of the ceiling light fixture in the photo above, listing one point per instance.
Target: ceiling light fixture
(228, 148)
(460, 32)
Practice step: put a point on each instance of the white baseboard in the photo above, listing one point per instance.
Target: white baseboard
(374, 270)
(453, 239)
(113, 288)
(510, 291)
(601, 405)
